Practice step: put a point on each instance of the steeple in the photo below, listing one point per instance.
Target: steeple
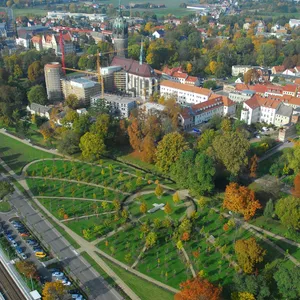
(141, 52)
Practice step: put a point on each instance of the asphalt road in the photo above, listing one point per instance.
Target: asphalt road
(95, 285)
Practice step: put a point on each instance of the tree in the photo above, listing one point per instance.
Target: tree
(168, 208)
(151, 239)
(242, 296)
(288, 211)
(27, 268)
(169, 150)
(296, 190)
(143, 208)
(35, 71)
(158, 191)
(206, 140)
(148, 149)
(54, 290)
(253, 165)
(185, 236)
(46, 132)
(176, 198)
(249, 253)
(231, 149)
(293, 158)
(69, 143)
(241, 199)
(210, 84)
(101, 126)
(92, 146)
(266, 54)
(269, 209)
(135, 135)
(287, 280)
(198, 288)
(72, 101)
(37, 94)
(226, 125)
(5, 189)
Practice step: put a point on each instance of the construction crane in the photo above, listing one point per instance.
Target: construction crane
(62, 50)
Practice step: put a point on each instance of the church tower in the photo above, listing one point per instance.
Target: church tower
(120, 35)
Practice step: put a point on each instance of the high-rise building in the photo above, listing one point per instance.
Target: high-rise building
(53, 74)
(120, 36)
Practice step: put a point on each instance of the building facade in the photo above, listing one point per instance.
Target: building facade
(53, 74)
(184, 93)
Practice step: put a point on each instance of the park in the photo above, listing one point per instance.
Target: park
(139, 222)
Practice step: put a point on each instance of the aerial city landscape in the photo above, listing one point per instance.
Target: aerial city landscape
(150, 150)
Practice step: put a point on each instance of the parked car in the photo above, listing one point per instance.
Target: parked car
(32, 242)
(67, 283)
(23, 234)
(23, 256)
(58, 274)
(19, 250)
(77, 296)
(14, 244)
(40, 254)
(10, 238)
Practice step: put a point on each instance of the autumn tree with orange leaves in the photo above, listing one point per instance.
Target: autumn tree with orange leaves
(135, 135)
(296, 190)
(198, 288)
(242, 200)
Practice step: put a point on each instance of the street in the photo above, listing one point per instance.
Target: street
(93, 284)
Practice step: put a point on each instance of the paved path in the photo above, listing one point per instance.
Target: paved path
(139, 257)
(188, 261)
(79, 268)
(80, 182)
(276, 149)
(72, 198)
(87, 216)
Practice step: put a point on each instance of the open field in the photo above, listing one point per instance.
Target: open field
(17, 154)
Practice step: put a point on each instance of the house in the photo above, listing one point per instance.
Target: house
(239, 69)
(160, 33)
(40, 110)
(178, 75)
(184, 93)
(242, 96)
(277, 69)
(283, 115)
(294, 23)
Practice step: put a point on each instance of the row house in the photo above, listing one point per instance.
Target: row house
(267, 110)
(184, 93)
(201, 113)
(179, 75)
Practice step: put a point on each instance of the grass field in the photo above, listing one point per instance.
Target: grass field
(49, 187)
(142, 288)
(4, 206)
(17, 154)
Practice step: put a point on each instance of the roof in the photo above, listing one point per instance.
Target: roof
(184, 87)
(207, 105)
(241, 86)
(284, 110)
(133, 66)
(36, 39)
(191, 79)
(252, 102)
(39, 108)
(258, 88)
(266, 102)
(168, 71)
(290, 88)
(279, 69)
(35, 295)
(227, 101)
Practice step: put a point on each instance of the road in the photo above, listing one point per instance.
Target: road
(8, 287)
(91, 282)
(276, 149)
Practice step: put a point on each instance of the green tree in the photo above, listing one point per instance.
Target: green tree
(169, 150)
(269, 209)
(92, 146)
(287, 280)
(288, 211)
(101, 126)
(69, 143)
(37, 94)
(206, 140)
(151, 239)
(72, 101)
(35, 71)
(293, 158)
(266, 54)
(231, 149)
(210, 84)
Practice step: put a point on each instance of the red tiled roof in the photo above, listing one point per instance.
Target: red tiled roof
(185, 87)
(207, 105)
(290, 88)
(180, 75)
(133, 66)
(169, 71)
(252, 102)
(258, 88)
(227, 101)
(279, 69)
(241, 87)
(266, 102)
(191, 79)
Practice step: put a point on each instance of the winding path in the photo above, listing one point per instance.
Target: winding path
(72, 198)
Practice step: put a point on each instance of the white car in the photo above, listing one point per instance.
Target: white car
(14, 244)
(58, 274)
(67, 283)
(23, 256)
(77, 296)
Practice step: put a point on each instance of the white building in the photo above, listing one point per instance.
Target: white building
(40, 110)
(239, 69)
(120, 106)
(184, 93)
(267, 110)
(242, 96)
(55, 15)
(294, 23)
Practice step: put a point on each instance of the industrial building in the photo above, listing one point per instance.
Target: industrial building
(53, 74)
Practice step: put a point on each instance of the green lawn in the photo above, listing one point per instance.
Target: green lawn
(30, 12)
(48, 187)
(114, 177)
(142, 288)
(150, 199)
(105, 224)
(17, 154)
(5, 206)
(73, 208)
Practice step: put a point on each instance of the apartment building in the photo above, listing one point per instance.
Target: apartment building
(267, 110)
(184, 93)
(242, 96)
(179, 75)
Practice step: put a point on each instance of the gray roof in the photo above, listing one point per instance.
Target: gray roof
(39, 108)
(284, 110)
